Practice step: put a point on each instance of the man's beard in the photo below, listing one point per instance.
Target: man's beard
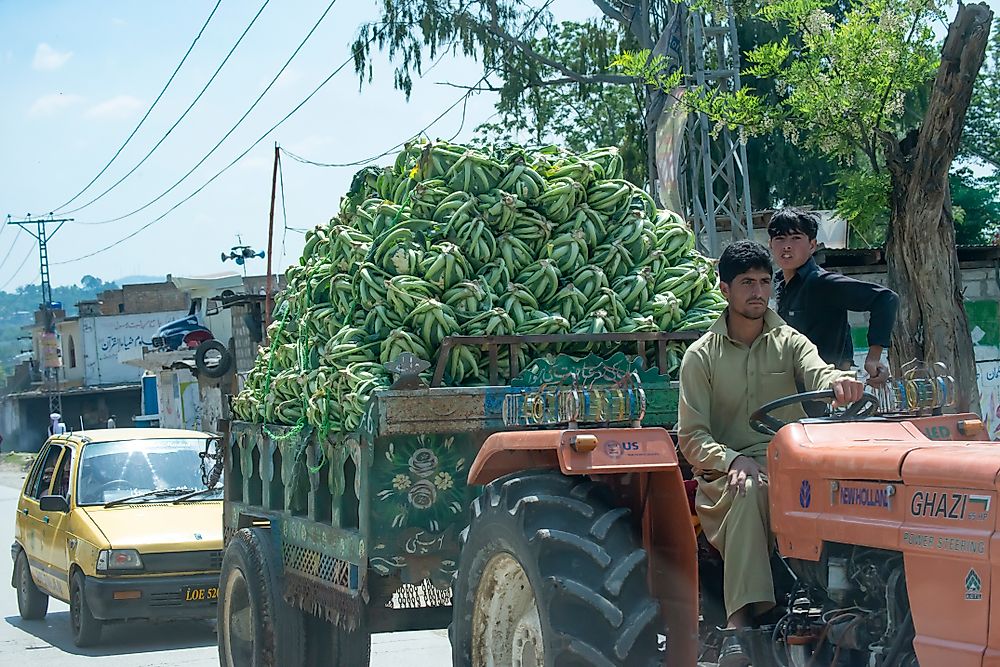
(747, 313)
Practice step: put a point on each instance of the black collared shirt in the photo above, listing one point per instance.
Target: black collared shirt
(816, 301)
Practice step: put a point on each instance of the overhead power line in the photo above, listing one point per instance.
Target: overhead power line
(177, 122)
(3, 262)
(463, 100)
(231, 130)
(20, 266)
(239, 157)
(148, 111)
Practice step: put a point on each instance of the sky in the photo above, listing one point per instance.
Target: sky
(78, 76)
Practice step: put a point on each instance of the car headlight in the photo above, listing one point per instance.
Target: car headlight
(118, 559)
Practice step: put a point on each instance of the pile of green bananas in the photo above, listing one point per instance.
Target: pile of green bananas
(461, 240)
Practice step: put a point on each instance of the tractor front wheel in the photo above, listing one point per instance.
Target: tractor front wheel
(552, 573)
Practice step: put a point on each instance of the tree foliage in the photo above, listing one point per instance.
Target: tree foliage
(981, 139)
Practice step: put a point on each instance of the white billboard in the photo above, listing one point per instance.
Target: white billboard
(105, 337)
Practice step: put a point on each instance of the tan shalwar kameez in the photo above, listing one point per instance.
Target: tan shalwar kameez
(722, 382)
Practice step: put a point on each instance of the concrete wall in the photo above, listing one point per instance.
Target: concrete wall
(143, 298)
(105, 337)
(981, 288)
(73, 352)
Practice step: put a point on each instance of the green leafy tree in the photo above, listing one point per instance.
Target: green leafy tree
(975, 207)
(844, 75)
(981, 138)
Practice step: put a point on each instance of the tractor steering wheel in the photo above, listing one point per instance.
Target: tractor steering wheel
(764, 422)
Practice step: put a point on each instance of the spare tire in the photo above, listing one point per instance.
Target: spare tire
(201, 359)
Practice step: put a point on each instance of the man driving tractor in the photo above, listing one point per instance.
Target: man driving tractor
(748, 358)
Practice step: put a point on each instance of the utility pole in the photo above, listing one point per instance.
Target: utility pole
(50, 361)
(268, 300)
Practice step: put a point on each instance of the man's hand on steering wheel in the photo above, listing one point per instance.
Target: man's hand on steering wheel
(847, 391)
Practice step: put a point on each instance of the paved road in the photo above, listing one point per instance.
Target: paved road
(48, 643)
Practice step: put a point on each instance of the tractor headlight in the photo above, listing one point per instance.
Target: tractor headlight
(118, 559)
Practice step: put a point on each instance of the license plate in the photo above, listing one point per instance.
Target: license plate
(200, 594)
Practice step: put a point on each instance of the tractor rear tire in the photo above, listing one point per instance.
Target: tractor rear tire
(552, 573)
(256, 627)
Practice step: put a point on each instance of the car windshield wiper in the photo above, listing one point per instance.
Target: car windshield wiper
(151, 494)
(196, 493)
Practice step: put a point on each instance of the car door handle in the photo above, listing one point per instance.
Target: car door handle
(45, 519)
(25, 511)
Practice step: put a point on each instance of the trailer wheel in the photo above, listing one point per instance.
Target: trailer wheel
(552, 573)
(256, 627)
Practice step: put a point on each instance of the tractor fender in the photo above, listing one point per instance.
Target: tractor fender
(602, 451)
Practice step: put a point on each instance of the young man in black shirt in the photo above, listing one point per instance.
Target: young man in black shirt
(815, 301)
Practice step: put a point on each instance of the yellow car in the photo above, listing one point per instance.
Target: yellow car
(121, 524)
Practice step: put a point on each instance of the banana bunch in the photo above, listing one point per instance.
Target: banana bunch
(493, 322)
(500, 209)
(608, 163)
(468, 298)
(568, 251)
(475, 239)
(426, 197)
(369, 286)
(380, 320)
(589, 280)
(634, 289)
(515, 253)
(445, 266)
(399, 341)
(475, 173)
(347, 247)
(561, 197)
(433, 159)
(532, 228)
(432, 321)
(404, 293)
(518, 301)
(495, 274)
(570, 303)
(523, 182)
(587, 221)
(665, 309)
(614, 258)
(541, 278)
(610, 198)
(574, 168)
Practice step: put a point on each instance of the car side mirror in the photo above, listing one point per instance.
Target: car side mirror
(53, 504)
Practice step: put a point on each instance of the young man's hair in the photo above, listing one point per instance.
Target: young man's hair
(793, 220)
(742, 256)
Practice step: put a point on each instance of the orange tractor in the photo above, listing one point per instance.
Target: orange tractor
(884, 531)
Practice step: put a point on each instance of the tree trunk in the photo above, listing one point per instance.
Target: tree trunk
(922, 259)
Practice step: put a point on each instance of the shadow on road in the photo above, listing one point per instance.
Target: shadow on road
(118, 638)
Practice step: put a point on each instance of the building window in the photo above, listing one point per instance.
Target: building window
(71, 348)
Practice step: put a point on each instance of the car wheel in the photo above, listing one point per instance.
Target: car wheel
(31, 602)
(257, 628)
(86, 628)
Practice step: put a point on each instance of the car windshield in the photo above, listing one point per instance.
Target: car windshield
(111, 471)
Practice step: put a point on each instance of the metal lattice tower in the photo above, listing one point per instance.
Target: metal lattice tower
(717, 184)
(50, 375)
